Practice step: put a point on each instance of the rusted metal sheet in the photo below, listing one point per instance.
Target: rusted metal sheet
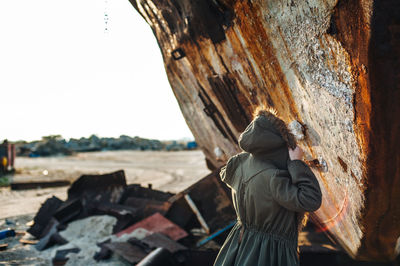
(69, 211)
(147, 207)
(137, 191)
(44, 216)
(129, 252)
(157, 240)
(99, 188)
(213, 209)
(61, 256)
(146, 201)
(157, 224)
(332, 65)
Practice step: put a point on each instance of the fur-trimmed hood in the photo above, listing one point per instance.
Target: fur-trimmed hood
(267, 136)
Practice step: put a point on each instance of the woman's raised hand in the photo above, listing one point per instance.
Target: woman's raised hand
(296, 154)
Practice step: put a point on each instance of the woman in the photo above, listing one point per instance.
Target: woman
(271, 190)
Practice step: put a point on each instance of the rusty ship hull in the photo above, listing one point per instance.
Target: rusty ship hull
(331, 65)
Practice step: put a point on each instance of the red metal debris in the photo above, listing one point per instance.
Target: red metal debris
(158, 224)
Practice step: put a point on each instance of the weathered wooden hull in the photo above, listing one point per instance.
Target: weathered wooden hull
(333, 66)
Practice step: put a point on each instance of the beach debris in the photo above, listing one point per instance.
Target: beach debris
(125, 215)
(68, 210)
(51, 237)
(158, 224)
(145, 200)
(105, 220)
(89, 194)
(214, 235)
(44, 215)
(210, 205)
(103, 188)
(156, 240)
(7, 233)
(28, 241)
(61, 255)
(41, 184)
(3, 247)
(196, 211)
(104, 216)
(129, 252)
(105, 253)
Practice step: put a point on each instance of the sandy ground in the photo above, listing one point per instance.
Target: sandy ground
(168, 171)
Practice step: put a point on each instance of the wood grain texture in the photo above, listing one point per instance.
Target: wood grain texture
(332, 65)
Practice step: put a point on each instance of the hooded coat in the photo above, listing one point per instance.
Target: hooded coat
(269, 192)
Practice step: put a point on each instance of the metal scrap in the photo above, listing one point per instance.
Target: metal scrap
(43, 216)
(52, 237)
(61, 255)
(68, 210)
(7, 233)
(99, 188)
(157, 240)
(212, 201)
(131, 253)
(158, 224)
(3, 247)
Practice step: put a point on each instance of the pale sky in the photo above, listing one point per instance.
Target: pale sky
(62, 72)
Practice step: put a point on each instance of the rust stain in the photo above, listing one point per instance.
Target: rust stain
(359, 184)
(251, 29)
(375, 82)
(342, 164)
(278, 91)
(349, 23)
(249, 71)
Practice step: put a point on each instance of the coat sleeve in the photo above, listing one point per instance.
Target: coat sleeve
(296, 189)
(227, 172)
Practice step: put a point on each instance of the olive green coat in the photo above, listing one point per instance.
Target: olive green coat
(268, 192)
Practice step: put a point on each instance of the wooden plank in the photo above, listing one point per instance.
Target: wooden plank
(39, 184)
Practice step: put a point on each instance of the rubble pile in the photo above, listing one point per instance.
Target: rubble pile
(56, 145)
(106, 220)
